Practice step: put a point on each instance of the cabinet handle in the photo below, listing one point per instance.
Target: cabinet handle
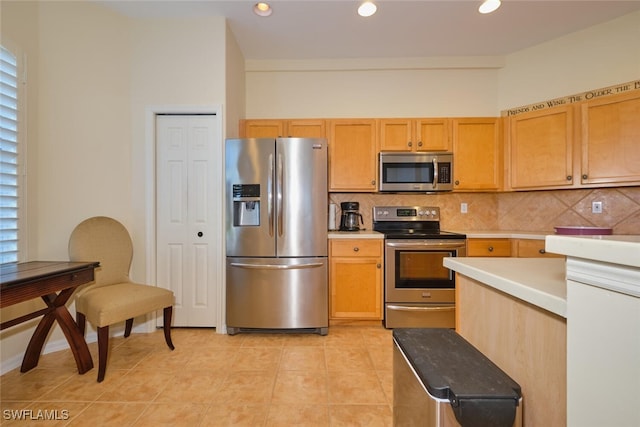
(373, 182)
(378, 265)
(542, 251)
(569, 177)
(410, 144)
(490, 248)
(356, 249)
(585, 176)
(419, 143)
(457, 182)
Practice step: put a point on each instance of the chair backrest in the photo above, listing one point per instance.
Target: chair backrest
(104, 240)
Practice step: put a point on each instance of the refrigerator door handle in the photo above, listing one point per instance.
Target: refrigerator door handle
(279, 195)
(270, 195)
(276, 266)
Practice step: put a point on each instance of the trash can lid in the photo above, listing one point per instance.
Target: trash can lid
(451, 368)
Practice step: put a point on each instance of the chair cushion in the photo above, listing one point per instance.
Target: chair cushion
(106, 305)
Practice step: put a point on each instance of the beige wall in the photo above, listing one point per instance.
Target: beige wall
(235, 105)
(372, 92)
(601, 56)
(84, 155)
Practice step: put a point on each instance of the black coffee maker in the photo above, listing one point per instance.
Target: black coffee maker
(351, 217)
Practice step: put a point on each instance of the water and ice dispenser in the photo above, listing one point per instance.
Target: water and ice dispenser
(246, 205)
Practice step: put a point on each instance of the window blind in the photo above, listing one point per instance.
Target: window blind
(8, 157)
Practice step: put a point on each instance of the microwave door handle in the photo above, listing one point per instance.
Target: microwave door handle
(435, 172)
(270, 195)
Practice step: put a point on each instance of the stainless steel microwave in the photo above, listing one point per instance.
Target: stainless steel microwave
(415, 172)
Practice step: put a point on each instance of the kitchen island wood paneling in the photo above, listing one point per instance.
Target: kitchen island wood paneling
(513, 311)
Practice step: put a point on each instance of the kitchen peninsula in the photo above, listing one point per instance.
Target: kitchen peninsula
(565, 331)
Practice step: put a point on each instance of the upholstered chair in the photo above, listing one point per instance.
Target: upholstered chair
(113, 297)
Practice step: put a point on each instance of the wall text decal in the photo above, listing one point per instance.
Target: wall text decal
(584, 96)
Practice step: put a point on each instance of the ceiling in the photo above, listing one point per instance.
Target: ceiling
(312, 29)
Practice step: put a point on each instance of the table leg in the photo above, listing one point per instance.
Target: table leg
(58, 312)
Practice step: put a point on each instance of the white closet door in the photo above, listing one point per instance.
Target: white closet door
(186, 215)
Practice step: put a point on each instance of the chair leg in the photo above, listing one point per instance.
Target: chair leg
(127, 327)
(103, 350)
(167, 312)
(81, 321)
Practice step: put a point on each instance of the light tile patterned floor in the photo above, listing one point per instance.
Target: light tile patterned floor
(342, 379)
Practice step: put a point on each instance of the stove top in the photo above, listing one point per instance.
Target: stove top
(410, 222)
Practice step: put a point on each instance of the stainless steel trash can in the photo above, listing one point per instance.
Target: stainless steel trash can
(440, 379)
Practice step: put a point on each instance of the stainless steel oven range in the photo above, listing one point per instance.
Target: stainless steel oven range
(418, 290)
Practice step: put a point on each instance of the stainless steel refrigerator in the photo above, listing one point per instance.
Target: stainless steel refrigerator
(276, 234)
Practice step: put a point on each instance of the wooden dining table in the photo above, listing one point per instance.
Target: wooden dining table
(54, 282)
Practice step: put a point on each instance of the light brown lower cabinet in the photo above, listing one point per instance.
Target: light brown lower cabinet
(355, 279)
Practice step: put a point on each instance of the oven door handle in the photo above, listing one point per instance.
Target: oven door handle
(414, 308)
(424, 245)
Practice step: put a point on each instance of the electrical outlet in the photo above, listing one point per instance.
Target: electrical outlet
(596, 207)
(463, 208)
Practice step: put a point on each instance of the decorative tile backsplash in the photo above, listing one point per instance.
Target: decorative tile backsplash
(537, 211)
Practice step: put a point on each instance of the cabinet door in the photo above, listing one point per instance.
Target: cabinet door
(611, 140)
(477, 154)
(356, 288)
(352, 155)
(489, 247)
(541, 145)
(262, 128)
(355, 279)
(433, 134)
(306, 129)
(396, 135)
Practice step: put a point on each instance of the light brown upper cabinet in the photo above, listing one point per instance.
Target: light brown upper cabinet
(261, 128)
(274, 128)
(415, 134)
(477, 154)
(353, 148)
(541, 148)
(611, 140)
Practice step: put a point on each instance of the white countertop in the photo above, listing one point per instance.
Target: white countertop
(614, 249)
(538, 281)
(362, 234)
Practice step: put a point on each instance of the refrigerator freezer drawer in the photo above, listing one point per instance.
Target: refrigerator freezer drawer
(277, 293)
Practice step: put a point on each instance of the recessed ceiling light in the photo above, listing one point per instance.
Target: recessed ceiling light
(262, 9)
(489, 6)
(367, 9)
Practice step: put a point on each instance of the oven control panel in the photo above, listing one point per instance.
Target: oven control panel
(406, 213)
